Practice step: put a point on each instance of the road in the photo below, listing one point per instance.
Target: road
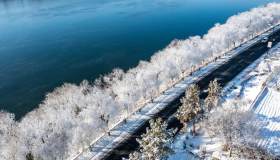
(224, 74)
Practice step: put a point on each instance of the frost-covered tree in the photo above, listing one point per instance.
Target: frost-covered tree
(154, 143)
(212, 98)
(190, 106)
(135, 156)
(105, 121)
(252, 152)
(8, 136)
(235, 127)
(184, 113)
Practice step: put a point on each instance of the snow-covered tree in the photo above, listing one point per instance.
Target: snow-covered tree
(252, 152)
(212, 98)
(184, 113)
(154, 143)
(8, 136)
(135, 156)
(105, 122)
(190, 106)
(233, 126)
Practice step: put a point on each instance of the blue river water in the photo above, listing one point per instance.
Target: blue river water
(45, 43)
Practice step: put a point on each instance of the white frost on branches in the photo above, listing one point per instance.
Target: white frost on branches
(234, 126)
(190, 106)
(212, 98)
(69, 118)
(154, 143)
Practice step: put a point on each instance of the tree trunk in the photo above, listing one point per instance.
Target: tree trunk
(185, 126)
(193, 128)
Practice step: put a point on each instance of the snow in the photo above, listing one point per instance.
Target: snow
(268, 110)
(190, 146)
(259, 89)
(68, 120)
(122, 130)
(255, 89)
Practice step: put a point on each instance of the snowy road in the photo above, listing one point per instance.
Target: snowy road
(122, 139)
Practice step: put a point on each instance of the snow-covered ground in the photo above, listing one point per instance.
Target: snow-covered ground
(256, 89)
(269, 111)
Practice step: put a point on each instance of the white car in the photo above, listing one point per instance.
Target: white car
(269, 44)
